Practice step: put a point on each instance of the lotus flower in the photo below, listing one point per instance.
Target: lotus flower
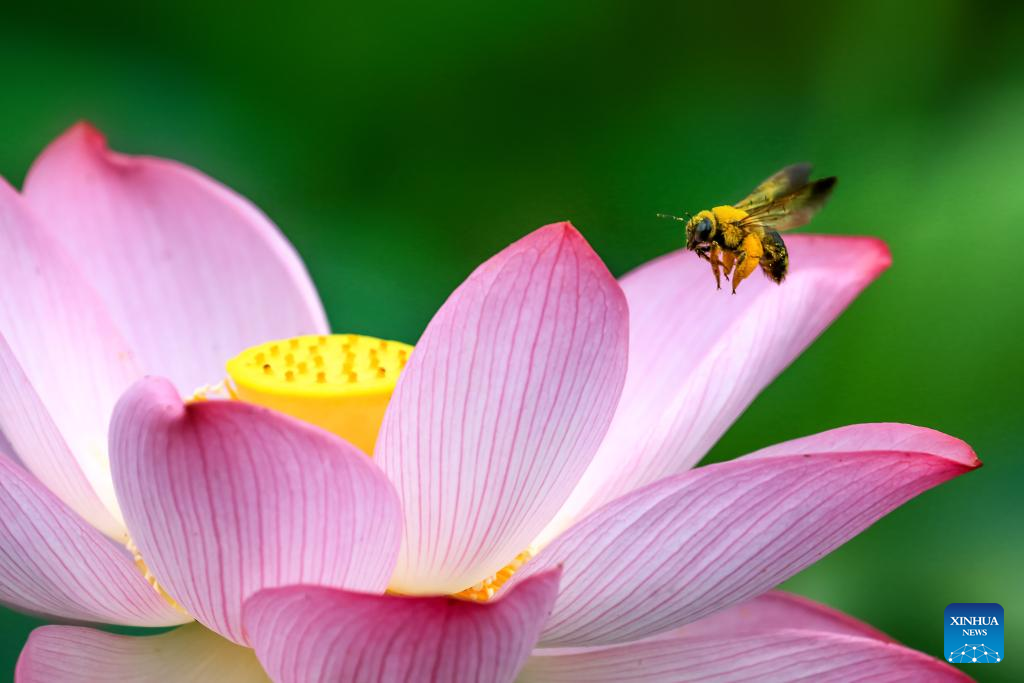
(529, 508)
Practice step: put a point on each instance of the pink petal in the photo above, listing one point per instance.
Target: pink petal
(695, 543)
(53, 563)
(310, 633)
(777, 610)
(876, 436)
(190, 654)
(191, 272)
(6, 448)
(778, 656)
(771, 611)
(63, 365)
(698, 357)
(225, 498)
(501, 407)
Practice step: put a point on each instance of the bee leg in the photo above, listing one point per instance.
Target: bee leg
(715, 266)
(728, 260)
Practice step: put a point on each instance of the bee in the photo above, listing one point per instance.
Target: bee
(737, 239)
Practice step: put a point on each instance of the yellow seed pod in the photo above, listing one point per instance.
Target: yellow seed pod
(340, 382)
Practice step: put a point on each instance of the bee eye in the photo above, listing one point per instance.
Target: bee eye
(703, 230)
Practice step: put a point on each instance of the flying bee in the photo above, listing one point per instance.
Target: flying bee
(737, 239)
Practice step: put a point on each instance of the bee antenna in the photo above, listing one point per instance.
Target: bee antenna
(675, 218)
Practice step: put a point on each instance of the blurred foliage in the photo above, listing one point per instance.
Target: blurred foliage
(398, 145)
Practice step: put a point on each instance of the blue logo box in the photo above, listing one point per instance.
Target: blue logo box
(973, 633)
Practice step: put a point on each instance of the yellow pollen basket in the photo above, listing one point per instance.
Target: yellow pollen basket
(339, 382)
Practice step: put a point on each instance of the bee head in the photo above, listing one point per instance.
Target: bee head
(700, 229)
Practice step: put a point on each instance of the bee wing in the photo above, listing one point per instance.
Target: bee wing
(794, 209)
(788, 180)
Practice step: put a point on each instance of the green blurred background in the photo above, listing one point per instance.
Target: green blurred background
(400, 145)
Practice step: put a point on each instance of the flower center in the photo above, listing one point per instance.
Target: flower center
(339, 382)
(141, 564)
(485, 590)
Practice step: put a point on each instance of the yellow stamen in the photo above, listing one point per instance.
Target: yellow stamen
(340, 382)
(141, 564)
(207, 391)
(486, 589)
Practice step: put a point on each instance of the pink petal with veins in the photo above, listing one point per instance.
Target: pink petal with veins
(689, 545)
(53, 563)
(191, 272)
(225, 498)
(63, 364)
(501, 407)
(779, 656)
(190, 654)
(310, 633)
